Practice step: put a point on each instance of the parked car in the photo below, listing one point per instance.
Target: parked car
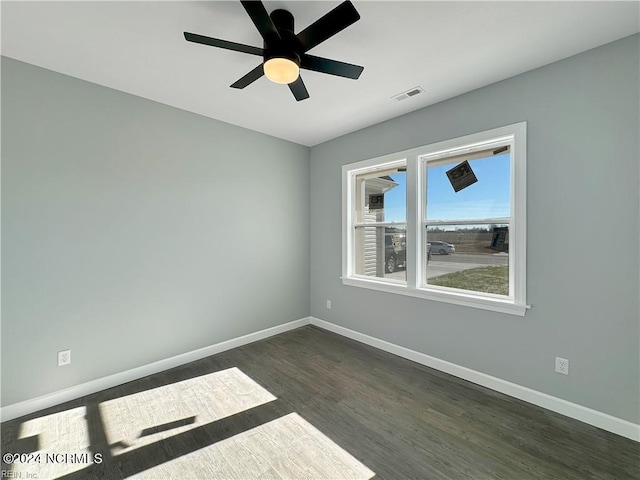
(442, 248)
(395, 251)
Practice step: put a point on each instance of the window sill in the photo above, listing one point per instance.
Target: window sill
(467, 300)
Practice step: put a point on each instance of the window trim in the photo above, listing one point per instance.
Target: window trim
(416, 160)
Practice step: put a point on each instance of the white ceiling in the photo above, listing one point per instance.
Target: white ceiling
(447, 48)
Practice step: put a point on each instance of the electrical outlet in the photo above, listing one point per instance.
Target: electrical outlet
(562, 366)
(64, 357)
(329, 304)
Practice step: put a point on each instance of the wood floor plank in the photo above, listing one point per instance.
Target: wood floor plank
(391, 416)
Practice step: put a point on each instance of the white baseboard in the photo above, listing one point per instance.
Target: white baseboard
(564, 407)
(49, 400)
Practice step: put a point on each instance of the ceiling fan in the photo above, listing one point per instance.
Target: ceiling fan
(284, 52)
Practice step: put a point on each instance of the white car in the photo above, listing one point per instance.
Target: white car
(442, 248)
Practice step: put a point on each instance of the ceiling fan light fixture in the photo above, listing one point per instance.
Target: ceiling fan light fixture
(283, 51)
(281, 70)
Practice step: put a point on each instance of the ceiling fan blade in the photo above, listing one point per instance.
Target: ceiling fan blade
(333, 22)
(261, 20)
(216, 42)
(332, 67)
(249, 78)
(298, 89)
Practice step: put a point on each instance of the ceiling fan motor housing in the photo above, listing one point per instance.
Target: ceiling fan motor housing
(287, 46)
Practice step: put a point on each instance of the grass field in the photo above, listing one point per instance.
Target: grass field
(474, 248)
(492, 279)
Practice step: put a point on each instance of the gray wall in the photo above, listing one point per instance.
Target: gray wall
(583, 247)
(133, 231)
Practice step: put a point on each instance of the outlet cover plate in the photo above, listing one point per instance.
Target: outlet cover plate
(562, 366)
(64, 357)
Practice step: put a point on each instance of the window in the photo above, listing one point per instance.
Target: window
(409, 228)
(380, 222)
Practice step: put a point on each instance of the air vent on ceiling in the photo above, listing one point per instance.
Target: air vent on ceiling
(409, 93)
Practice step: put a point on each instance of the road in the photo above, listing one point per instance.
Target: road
(483, 259)
(456, 262)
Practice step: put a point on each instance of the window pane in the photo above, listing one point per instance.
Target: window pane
(469, 257)
(383, 196)
(381, 252)
(488, 198)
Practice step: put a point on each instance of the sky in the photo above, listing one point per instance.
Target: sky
(488, 197)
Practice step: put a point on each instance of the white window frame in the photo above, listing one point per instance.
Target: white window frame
(416, 161)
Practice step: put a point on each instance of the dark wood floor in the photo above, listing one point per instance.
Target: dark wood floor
(400, 419)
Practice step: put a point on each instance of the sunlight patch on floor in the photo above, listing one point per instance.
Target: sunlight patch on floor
(58, 434)
(147, 417)
(286, 448)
